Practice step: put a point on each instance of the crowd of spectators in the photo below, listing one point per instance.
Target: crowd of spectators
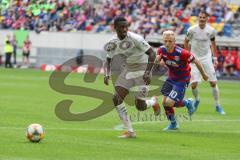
(228, 62)
(145, 17)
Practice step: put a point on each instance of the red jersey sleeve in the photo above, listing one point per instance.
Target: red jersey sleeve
(159, 51)
(159, 54)
(187, 56)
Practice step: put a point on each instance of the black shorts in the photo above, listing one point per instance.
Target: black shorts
(26, 54)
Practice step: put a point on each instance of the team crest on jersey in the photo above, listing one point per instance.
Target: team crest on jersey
(124, 45)
(110, 46)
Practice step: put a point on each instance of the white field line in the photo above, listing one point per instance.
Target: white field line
(120, 126)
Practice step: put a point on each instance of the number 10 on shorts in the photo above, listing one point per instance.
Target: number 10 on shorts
(173, 94)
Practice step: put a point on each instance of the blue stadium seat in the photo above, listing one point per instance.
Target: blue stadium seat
(227, 30)
(185, 27)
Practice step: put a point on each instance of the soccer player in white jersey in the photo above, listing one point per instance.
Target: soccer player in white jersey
(138, 59)
(203, 46)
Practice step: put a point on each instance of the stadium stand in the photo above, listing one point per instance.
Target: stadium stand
(145, 17)
(88, 18)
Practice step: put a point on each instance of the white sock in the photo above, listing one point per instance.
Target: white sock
(122, 112)
(150, 102)
(195, 93)
(215, 93)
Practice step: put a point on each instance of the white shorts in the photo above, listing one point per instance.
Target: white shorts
(133, 81)
(209, 69)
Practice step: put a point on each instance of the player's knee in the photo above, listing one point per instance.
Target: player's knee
(194, 85)
(117, 100)
(140, 105)
(165, 103)
(213, 84)
(168, 103)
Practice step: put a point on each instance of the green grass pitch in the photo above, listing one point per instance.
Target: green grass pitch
(25, 98)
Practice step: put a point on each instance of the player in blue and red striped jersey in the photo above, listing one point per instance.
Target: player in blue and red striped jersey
(177, 60)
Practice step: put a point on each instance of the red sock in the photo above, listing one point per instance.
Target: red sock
(170, 113)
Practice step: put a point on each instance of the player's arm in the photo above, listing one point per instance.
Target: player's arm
(151, 58)
(186, 44)
(213, 47)
(162, 63)
(159, 59)
(187, 40)
(186, 55)
(214, 50)
(107, 69)
(200, 68)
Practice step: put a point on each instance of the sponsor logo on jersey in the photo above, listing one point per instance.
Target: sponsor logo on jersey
(124, 45)
(171, 63)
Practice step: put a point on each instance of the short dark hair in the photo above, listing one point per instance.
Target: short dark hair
(119, 19)
(204, 12)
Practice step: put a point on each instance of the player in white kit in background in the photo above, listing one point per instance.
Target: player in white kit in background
(200, 39)
(137, 61)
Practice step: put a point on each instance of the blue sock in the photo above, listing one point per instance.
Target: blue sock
(172, 119)
(185, 102)
(170, 114)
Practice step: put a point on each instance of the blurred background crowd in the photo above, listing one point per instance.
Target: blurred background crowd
(145, 17)
(148, 17)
